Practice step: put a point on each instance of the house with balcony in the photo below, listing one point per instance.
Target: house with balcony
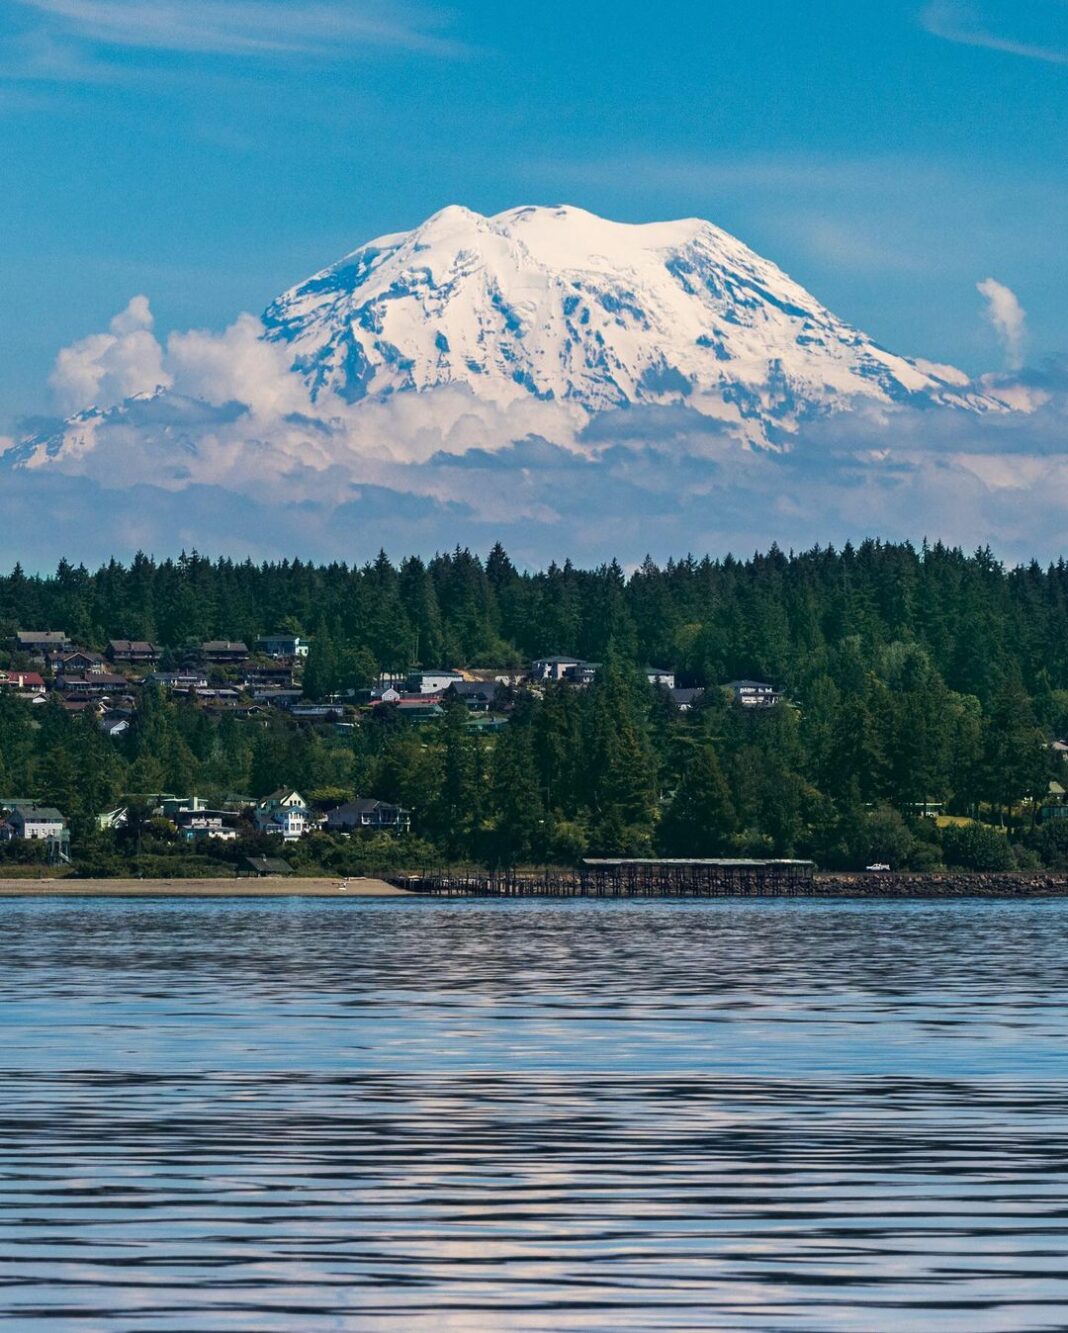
(133, 651)
(754, 693)
(285, 814)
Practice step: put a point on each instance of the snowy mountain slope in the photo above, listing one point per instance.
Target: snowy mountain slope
(561, 305)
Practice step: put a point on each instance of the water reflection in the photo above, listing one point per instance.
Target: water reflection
(319, 1115)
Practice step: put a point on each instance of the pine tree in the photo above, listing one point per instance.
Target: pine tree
(701, 816)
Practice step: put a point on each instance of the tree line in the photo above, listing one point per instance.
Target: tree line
(911, 676)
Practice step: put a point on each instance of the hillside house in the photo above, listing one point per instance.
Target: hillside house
(432, 682)
(91, 684)
(686, 699)
(754, 693)
(478, 695)
(77, 663)
(23, 681)
(283, 646)
(178, 680)
(662, 676)
(224, 652)
(133, 651)
(552, 668)
(367, 813)
(39, 642)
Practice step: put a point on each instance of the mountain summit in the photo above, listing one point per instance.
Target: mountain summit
(557, 304)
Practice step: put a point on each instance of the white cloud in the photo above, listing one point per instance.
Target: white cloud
(246, 27)
(105, 368)
(1008, 317)
(959, 23)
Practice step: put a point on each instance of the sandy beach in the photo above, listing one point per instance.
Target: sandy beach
(270, 887)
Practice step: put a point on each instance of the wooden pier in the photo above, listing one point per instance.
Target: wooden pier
(623, 878)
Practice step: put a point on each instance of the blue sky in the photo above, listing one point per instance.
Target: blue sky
(889, 154)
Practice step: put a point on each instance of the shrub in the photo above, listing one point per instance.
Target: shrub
(977, 847)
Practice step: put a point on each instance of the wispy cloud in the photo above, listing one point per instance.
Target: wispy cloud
(1008, 317)
(956, 22)
(242, 28)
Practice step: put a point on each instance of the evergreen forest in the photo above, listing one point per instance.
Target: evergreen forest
(916, 682)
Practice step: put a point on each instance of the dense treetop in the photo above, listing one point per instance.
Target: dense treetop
(783, 617)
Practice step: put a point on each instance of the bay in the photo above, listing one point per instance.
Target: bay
(397, 1114)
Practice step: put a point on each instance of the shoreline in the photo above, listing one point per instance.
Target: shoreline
(268, 887)
(839, 884)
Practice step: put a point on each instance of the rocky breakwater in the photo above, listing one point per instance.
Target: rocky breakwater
(944, 884)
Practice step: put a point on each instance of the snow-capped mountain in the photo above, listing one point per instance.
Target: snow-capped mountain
(468, 334)
(560, 305)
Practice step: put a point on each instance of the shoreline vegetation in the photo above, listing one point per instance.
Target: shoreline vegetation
(882, 886)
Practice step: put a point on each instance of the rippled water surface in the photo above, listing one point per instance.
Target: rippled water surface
(298, 1114)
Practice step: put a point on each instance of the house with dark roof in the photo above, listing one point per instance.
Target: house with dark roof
(39, 642)
(132, 650)
(223, 651)
(366, 813)
(478, 695)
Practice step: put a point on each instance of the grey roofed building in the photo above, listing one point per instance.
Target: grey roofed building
(477, 694)
(224, 650)
(366, 812)
(132, 650)
(38, 641)
(267, 865)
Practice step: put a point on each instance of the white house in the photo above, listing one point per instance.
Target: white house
(552, 668)
(285, 813)
(34, 823)
(660, 676)
(432, 682)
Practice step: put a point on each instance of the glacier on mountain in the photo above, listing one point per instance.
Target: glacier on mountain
(563, 306)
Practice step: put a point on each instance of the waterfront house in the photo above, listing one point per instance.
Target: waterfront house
(367, 813)
(197, 825)
(32, 822)
(283, 813)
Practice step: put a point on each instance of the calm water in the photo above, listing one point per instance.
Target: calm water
(404, 1115)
